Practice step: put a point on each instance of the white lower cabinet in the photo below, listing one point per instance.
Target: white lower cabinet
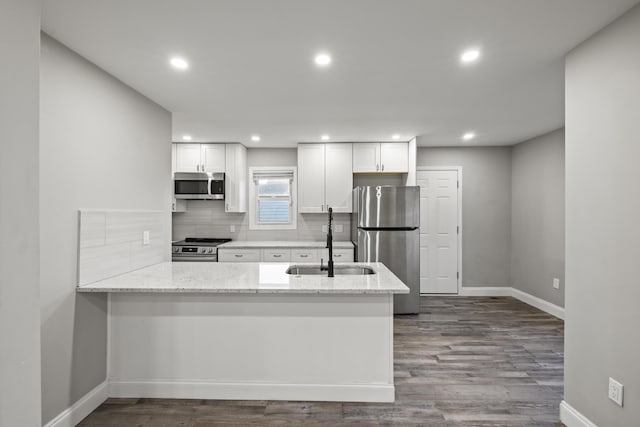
(276, 255)
(304, 255)
(279, 254)
(238, 255)
(339, 255)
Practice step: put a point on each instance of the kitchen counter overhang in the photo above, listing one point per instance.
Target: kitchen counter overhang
(249, 331)
(212, 277)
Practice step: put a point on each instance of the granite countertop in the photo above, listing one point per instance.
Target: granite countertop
(250, 277)
(247, 244)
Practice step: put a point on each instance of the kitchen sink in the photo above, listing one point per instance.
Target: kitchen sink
(338, 270)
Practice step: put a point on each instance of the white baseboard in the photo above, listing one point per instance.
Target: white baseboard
(572, 418)
(485, 291)
(253, 391)
(538, 303)
(88, 403)
(508, 291)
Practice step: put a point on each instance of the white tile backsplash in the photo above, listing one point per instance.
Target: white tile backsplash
(207, 218)
(111, 243)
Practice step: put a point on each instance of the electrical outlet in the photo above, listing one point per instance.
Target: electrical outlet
(232, 228)
(145, 237)
(556, 283)
(615, 391)
(339, 228)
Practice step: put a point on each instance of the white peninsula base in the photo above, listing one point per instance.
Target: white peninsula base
(265, 346)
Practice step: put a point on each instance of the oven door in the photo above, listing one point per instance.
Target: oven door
(191, 185)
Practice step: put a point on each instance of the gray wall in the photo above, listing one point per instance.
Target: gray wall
(602, 229)
(19, 306)
(486, 209)
(537, 216)
(102, 145)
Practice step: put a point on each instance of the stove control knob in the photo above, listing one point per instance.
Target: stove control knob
(201, 250)
(210, 250)
(176, 250)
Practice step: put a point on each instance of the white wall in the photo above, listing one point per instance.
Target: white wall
(486, 209)
(602, 228)
(102, 146)
(537, 216)
(19, 301)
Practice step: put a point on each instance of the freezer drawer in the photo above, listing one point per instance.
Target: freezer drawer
(399, 251)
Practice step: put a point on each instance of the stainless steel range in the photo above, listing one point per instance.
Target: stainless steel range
(196, 249)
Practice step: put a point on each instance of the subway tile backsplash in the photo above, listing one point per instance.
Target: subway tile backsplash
(207, 218)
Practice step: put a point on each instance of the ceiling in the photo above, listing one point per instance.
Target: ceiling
(395, 68)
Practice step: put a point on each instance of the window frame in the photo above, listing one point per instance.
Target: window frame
(254, 196)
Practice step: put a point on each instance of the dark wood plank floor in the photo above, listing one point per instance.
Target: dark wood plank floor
(464, 361)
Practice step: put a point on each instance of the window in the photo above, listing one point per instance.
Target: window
(272, 198)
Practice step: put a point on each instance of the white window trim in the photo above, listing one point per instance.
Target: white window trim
(253, 225)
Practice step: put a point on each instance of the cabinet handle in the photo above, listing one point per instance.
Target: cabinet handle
(202, 167)
(383, 167)
(304, 256)
(337, 255)
(377, 167)
(227, 206)
(277, 255)
(198, 168)
(238, 255)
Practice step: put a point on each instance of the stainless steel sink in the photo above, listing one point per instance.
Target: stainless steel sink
(338, 270)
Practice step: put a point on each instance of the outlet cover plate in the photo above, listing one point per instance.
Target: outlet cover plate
(615, 391)
(556, 283)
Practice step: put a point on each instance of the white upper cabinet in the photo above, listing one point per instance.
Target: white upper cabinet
(325, 177)
(381, 157)
(311, 178)
(200, 158)
(366, 157)
(235, 178)
(188, 158)
(212, 157)
(338, 177)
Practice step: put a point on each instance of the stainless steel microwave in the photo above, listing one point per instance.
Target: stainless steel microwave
(198, 185)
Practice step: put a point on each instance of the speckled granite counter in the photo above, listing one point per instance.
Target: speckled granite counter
(247, 244)
(222, 277)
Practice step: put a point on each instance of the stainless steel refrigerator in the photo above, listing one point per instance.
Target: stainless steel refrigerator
(385, 228)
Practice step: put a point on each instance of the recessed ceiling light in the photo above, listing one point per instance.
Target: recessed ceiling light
(323, 59)
(468, 136)
(186, 137)
(395, 136)
(179, 63)
(255, 138)
(325, 137)
(470, 55)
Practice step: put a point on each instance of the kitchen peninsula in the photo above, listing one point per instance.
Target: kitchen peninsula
(250, 331)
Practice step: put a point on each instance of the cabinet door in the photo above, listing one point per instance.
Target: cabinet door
(188, 158)
(311, 176)
(366, 157)
(338, 177)
(173, 159)
(276, 255)
(394, 157)
(235, 178)
(213, 157)
(304, 255)
(238, 255)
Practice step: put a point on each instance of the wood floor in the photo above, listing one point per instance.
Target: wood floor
(464, 361)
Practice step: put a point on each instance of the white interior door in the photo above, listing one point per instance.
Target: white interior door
(438, 231)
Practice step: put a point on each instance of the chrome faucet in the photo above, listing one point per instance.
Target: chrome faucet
(329, 266)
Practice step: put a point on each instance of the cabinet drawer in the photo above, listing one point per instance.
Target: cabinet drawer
(304, 255)
(276, 255)
(339, 255)
(238, 255)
